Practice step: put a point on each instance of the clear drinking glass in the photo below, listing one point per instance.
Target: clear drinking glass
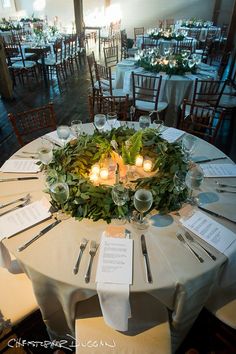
(193, 180)
(120, 195)
(45, 152)
(59, 192)
(188, 145)
(76, 126)
(143, 200)
(144, 122)
(63, 132)
(100, 121)
(179, 181)
(112, 119)
(158, 124)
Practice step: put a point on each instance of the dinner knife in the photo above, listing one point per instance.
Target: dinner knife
(17, 179)
(213, 159)
(215, 214)
(145, 254)
(36, 237)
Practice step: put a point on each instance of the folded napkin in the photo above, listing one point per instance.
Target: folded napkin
(113, 297)
(5, 257)
(53, 137)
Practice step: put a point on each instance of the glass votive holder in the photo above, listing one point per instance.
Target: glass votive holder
(139, 161)
(95, 169)
(147, 165)
(104, 173)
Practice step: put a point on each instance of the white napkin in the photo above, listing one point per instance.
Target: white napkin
(5, 257)
(53, 137)
(114, 298)
(108, 127)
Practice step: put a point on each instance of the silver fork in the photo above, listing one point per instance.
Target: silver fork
(82, 247)
(225, 185)
(188, 247)
(224, 191)
(17, 207)
(191, 239)
(92, 252)
(22, 199)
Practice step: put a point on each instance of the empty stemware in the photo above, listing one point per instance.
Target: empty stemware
(120, 195)
(45, 152)
(193, 180)
(60, 192)
(76, 126)
(112, 119)
(188, 145)
(144, 122)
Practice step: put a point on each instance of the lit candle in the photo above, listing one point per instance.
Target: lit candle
(147, 165)
(94, 177)
(139, 161)
(104, 173)
(95, 169)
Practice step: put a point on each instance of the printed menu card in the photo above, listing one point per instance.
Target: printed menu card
(20, 166)
(115, 261)
(172, 134)
(219, 170)
(210, 231)
(22, 218)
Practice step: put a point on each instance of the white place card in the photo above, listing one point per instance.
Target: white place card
(23, 218)
(115, 261)
(20, 166)
(53, 137)
(172, 134)
(219, 170)
(210, 231)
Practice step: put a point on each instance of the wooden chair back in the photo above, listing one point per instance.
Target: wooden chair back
(106, 104)
(138, 31)
(29, 125)
(208, 92)
(103, 78)
(186, 44)
(146, 88)
(111, 56)
(201, 121)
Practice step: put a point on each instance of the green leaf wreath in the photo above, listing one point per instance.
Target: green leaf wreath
(72, 164)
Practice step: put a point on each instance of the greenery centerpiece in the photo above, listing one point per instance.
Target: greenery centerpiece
(166, 34)
(172, 64)
(73, 164)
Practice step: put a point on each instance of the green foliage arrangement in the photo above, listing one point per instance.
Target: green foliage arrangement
(180, 68)
(72, 164)
(167, 36)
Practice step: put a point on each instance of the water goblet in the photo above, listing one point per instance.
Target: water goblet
(143, 200)
(179, 181)
(112, 119)
(120, 195)
(59, 192)
(76, 126)
(188, 146)
(191, 62)
(45, 152)
(158, 124)
(193, 180)
(63, 132)
(144, 122)
(100, 121)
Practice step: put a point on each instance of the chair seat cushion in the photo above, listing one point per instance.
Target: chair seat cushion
(49, 61)
(17, 299)
(20, 65)
(150, 106)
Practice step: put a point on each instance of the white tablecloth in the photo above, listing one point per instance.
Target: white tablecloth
(179, 280)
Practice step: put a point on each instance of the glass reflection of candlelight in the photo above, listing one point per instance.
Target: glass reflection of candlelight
(95, 169)
(104, 173)
(147, 165)
(139, 161)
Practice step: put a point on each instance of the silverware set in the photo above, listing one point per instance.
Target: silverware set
(25, 201)
(191, 244)
(225, 185)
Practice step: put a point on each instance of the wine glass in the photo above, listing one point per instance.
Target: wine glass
(143, 200)
(60, 192)
(188, 146)
(179, 181)
(144, 122)
(158, 124)
(191, 62)
(45, 152)
(120, 195)
(193, 181)
(76, 126)
(100, 121)
(112, 119)
(63, 132)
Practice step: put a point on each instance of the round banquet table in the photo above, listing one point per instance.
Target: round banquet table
(203, 31)
(148, 40)
(174, 88)
(180, 282)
